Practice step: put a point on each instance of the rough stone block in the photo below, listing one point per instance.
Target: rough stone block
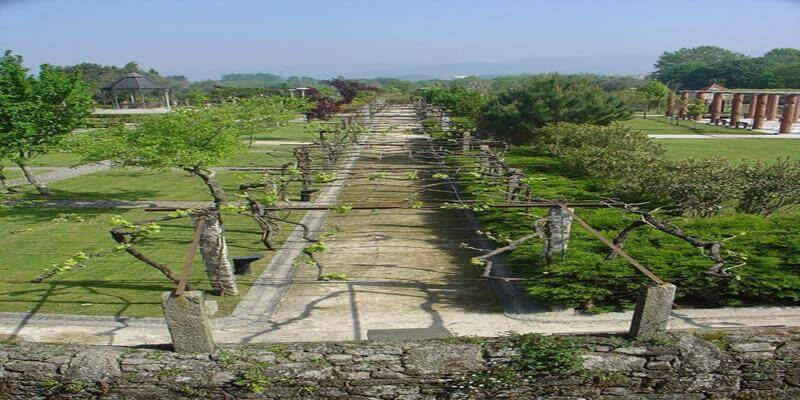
(653, 308)
(95, 364)
(610, 362)
(444, 359)
(187, 321)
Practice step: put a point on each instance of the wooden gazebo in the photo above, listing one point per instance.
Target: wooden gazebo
(136, 84)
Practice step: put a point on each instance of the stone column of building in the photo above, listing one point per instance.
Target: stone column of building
(670, 105)
(751, 108)
(736, 108)
(772, 107)
(789, 109)
(716, 107)
(761, 110)
(684, 105)
(700, 96)
(796, 108)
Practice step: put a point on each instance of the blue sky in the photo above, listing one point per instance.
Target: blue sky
(203, 39)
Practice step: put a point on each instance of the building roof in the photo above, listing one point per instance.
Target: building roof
(714, 87)
(133, 81)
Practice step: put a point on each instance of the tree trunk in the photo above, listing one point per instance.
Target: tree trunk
(209, 178)
(40, 186)
(3, 186)
(214, 251)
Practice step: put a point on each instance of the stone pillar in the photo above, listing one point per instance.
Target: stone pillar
(789, 109)
(716, 107)
(214, 250)
(653, 309)
(772, 107)
(465, 142)
(556, 233)
(761, 109)
(699, 97)
(187, 321)
(797, 108)
(684, 104)
(736, 108)
(751, 108)
(670, 105)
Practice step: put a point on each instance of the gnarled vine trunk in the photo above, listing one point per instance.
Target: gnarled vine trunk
(214, 251)
(40, 186)
(209, 177)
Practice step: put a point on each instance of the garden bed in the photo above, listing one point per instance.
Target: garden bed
(585, 280)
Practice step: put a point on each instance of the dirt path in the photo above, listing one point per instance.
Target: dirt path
(404, 268)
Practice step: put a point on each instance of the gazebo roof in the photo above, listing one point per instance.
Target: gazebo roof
(133, 81)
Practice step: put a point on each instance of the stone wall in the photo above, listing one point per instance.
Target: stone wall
(737, 364)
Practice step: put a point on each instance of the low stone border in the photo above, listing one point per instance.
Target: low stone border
(731, 364)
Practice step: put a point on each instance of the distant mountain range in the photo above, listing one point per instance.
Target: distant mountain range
(633, 64)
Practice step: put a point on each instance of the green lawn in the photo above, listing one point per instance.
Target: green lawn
(117, 284)
(54, 159)
(294, 131)
(662, 126)
(142, 184)
(732, 149)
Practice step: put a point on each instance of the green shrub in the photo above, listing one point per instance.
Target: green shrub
(516, 114)
(694, 187)
(585, 280)
(768, 187)
(614, 151)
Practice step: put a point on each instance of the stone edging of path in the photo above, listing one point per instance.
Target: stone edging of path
(258, 304)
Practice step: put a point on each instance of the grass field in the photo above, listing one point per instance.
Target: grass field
(732, 149)
(297, 131)
(32, 240)
(662, 126)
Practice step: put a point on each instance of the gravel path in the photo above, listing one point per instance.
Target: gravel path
(63, 173)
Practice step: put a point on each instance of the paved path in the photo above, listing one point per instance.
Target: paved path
(726, 136)
(63, 173)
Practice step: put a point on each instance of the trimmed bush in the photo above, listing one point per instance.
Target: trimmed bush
(516, 114)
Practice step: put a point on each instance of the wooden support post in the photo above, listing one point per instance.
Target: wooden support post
(684, 105)
(736, 108)
(485, 153)
(716, 107)
(761, 109)
(789, 109)
(772, 107)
